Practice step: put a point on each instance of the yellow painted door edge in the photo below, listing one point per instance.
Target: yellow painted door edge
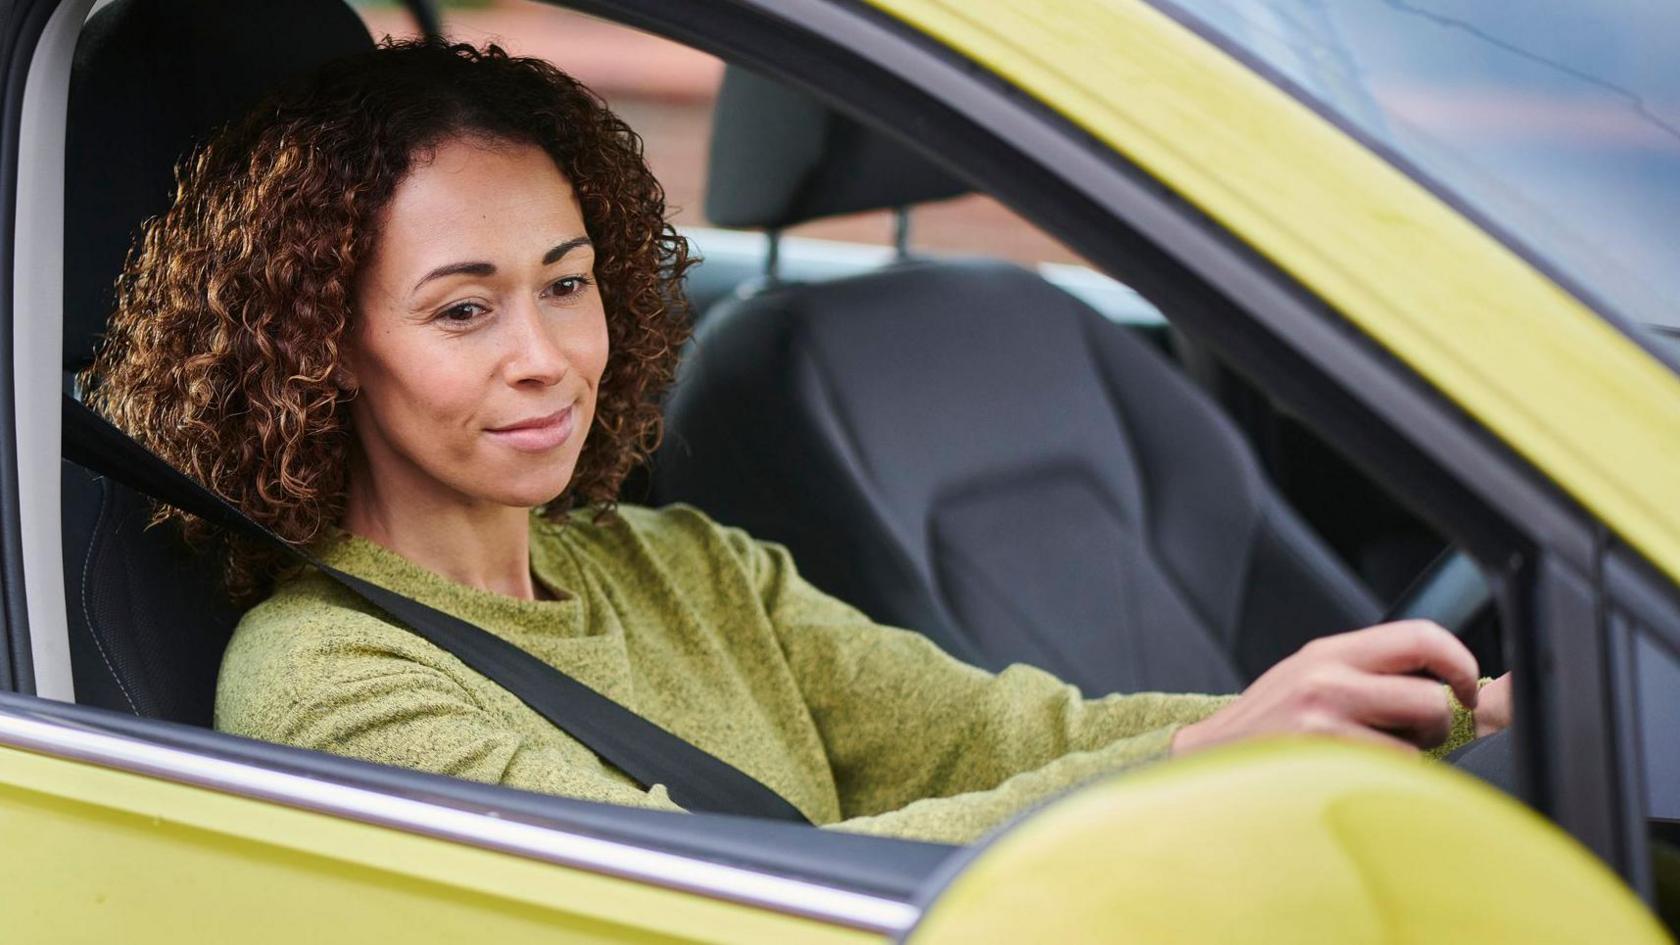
(1583, 403)
(1291, 840)
(98, 855)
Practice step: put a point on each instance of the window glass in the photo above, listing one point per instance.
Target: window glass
(666, 91)
(668, 95)
(1559, 121)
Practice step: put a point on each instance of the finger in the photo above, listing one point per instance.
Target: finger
(1410, 708)
(1411, 646)
(1341, 728)
(1493, 711)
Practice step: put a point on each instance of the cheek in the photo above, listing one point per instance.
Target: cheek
(420, 394)
(591, 352)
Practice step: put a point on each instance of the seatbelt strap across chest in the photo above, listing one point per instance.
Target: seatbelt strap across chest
(650, 755)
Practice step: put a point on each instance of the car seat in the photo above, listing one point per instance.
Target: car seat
(960, 448)
(152, 78)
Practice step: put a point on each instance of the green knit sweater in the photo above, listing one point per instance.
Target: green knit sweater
(713, 636)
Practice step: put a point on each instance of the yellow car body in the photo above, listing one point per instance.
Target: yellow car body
(109, 840)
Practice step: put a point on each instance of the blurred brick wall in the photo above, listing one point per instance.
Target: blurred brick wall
(665, 91)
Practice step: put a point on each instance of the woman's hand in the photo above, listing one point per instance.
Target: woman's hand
(1375, 685)
(1493, 706)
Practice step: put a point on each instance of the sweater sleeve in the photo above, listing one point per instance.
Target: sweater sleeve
(382, 704)
(1463, 730)
(923, 745)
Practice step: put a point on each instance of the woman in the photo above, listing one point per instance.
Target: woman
(418, 312)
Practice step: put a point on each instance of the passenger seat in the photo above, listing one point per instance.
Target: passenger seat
(960, 448)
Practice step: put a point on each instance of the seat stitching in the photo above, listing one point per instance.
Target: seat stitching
(87, 614)
(1148, 513)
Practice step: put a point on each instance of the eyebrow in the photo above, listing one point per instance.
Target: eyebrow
(559, 252)
(488, 269)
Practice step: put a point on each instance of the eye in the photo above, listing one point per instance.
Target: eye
(570, 285)
(461, 313)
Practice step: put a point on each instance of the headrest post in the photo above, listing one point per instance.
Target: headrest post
(901, 232)
(772, 255)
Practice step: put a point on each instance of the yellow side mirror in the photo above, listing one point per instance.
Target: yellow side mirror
(1286, 841)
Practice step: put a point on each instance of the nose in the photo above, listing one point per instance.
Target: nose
(535, 356)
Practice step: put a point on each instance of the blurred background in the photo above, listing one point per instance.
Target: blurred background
(665, 92)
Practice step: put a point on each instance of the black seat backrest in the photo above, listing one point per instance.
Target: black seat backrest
(148, 617)
(965, 450)
(152, 79)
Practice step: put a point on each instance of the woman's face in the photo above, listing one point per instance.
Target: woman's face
(479, 337)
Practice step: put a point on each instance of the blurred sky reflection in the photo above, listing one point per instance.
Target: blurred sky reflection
(1558, 120)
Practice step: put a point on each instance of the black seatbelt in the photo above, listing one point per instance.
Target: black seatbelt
(647, 753)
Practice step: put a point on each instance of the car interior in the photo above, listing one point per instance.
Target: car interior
(953, 445)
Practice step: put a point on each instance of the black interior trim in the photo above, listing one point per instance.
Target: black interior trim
(1645, 605)
(1580, 772)
(1626, 723)
(1645, 593)
(877, 866)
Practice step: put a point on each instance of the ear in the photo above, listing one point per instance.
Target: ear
(344, 374)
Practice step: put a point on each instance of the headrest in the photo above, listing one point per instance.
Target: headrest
(152, 79)
(780, 157)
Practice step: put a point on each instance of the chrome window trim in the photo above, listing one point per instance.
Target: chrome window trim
(605, 857)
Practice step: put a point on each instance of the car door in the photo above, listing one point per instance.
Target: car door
(1216, 190)
(1440, 314)
(1438, 350)
(130, 830)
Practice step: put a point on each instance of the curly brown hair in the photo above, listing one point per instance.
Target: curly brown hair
(234, 305)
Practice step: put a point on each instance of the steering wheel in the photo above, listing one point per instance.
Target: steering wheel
(1453, 593)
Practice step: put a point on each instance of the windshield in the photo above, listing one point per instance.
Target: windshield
(1558, 122)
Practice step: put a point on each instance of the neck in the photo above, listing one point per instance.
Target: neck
(479, 544)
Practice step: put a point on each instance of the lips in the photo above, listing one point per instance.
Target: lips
(536, 434)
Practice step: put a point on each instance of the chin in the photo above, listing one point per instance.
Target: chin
(529, 491)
